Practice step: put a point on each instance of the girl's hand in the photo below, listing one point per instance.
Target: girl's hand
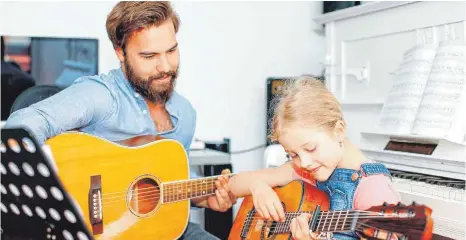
(266, 201)
(300, 228)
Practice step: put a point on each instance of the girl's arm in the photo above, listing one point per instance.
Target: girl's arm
(242, 183)
(259, 184)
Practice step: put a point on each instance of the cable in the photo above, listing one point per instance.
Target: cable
(249, 149)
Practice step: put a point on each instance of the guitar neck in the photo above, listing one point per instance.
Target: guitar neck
(187, 189)
(328, 221)
(335, 221)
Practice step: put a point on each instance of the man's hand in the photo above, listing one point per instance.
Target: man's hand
(223, 198)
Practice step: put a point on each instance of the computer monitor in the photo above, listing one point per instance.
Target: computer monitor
(53, 60)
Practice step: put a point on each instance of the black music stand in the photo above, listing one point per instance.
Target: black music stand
(34, 204)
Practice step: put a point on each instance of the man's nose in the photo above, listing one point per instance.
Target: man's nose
(163, 65)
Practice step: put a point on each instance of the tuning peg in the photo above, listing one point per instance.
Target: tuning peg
(411, 212)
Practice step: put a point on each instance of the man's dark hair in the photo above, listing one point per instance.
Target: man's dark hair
(129, 17)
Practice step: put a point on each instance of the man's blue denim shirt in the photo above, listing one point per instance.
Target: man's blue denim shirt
(105, 106)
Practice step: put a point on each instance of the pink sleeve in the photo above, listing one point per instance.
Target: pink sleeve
(374, 190)
(296, 176)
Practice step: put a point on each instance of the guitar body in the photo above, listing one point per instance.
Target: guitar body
(295, 196)
(387, 221)
(117, 188)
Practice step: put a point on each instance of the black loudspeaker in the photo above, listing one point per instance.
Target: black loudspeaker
(331, 6)
(274, 88)
(218, 223)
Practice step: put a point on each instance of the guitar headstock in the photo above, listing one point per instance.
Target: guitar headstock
(403, 221)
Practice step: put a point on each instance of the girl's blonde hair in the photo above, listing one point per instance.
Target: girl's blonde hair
(307, 103)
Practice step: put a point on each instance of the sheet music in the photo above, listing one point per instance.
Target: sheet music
(400, 109)
(444, 90)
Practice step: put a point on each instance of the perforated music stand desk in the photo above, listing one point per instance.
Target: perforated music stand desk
(34, 204)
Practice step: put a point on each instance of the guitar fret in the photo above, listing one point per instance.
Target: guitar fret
(204, 187)
(199, 188)
(342, 226)
(188, 189)
(320, 220)
(338, 220)
(212, 185)
(190, 192)
(180, 191)
(326, 216)
(175, 192)
(331, 221)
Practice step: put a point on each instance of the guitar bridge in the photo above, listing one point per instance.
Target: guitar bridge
(95, 205)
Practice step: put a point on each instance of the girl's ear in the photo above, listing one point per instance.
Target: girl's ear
(340, 131)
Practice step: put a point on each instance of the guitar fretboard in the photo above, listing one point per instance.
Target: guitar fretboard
(327, 221)
(187, 189)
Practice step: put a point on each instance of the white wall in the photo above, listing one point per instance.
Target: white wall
(228, 49)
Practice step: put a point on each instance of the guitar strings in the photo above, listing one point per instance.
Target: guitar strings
(168, 189)
(189, 181)
(286, 229)
(152, 197)
(334, 213)
(157, 187)
(170, 193)
(283, 226)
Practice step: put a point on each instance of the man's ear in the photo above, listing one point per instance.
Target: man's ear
(120, 54)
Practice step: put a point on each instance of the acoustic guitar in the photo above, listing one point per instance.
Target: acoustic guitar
(133, 189)
(405, 222)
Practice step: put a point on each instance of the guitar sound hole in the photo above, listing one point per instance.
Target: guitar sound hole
(143, 196)
(271, 228)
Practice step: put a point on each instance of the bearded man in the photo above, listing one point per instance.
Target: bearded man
(134, 100)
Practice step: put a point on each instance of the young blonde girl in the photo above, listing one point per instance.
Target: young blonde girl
(309, 124)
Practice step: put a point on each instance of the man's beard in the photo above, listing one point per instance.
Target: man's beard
(157, 93)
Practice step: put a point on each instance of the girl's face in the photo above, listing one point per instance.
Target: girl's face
(316, 150)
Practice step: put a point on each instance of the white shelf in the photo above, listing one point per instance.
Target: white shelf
(208, 157)
(425, 164)
(410, 137)
(357, 11)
